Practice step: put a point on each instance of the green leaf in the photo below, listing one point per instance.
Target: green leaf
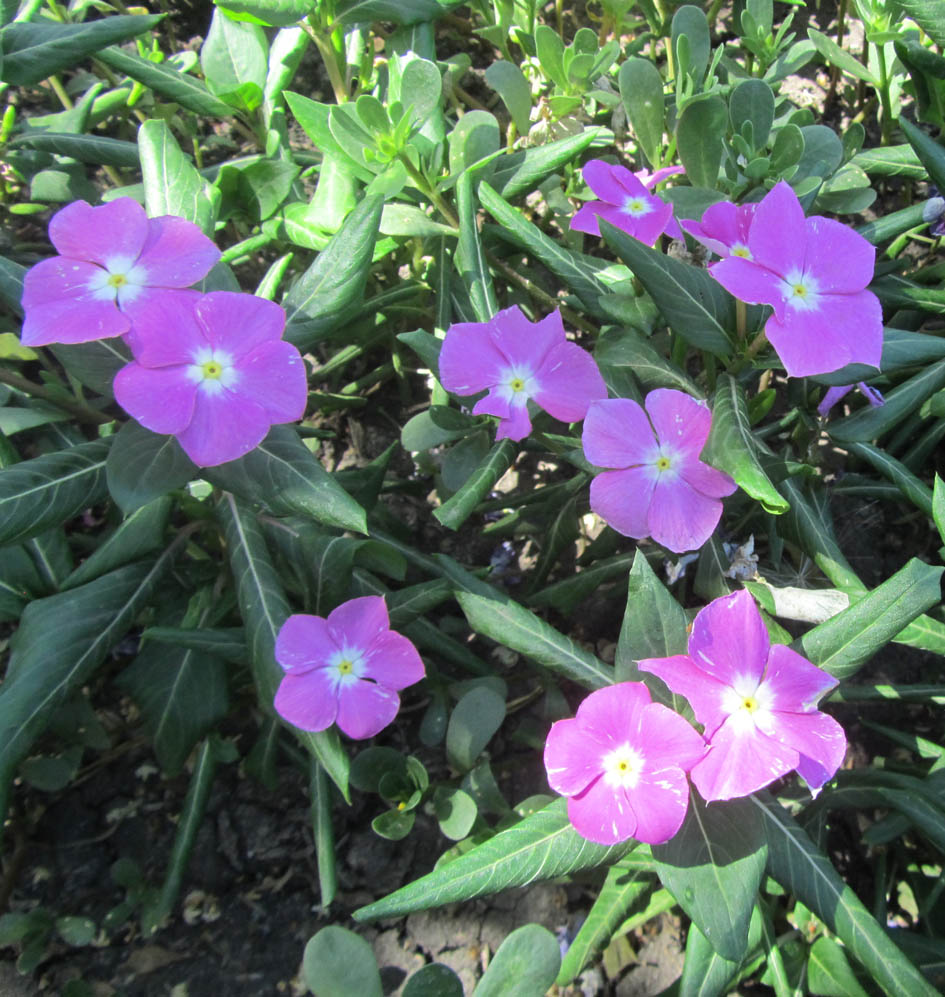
(930, 152)
(521, 172)
(455, 810)
(436, 425)
(829, 973)
(731, 446)
(690, 22)
(233, 58)
(96, 149)
(569, 267)
(457, 509)
(509, 82)
(891, 161)
(625, 347)
(95, 364)
(60, 642)
(34, 50)
(705, 972)
(752, 101)
(475, 718)
(915, 490)
(139, 534)
(274, 13)
(938, 506)
(929, 15)
(621, 890)
(836, 56)
(339, 963)
(641, 90)
(654, 624)
(398, 11)
(433, 980)
(284, 475)
(848, 640)
(228, 643)
(143, 466)
(264, 609)
(695, 306)
(795, 862)
(48, 490)
(166, 81)
(325, 297)
(171, 184)
(470, 258)
(713, 867)
(700, 131)
(514, 626)
(525, 965)
(542, 846)
(181, 694)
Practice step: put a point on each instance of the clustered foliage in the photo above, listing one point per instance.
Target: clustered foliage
(594, 261)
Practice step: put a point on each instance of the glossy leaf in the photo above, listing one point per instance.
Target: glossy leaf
(475, 718)
(705, 972)
(95, 364)
(627, 348)
(915, 490)
(433, 980)
(339, 963)
(542, 846)
(929, 15)
(525, 964)
(398, 11)
(752, 101)
(930, 152)
(470, 258)
(227, 643)
(48, 490)
(274, 13)
(731, 445)
(829, 973)
(143, 466)
(699, 133)
(459, 507)
(233, 58)
(835, 56)
(523, 171)
(641, 90)
(96, 149)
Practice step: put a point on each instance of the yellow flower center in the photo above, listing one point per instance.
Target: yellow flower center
(212, 369)
(750, 703)
(345, 667)
(743, 251)
(517, 384)
(800, 290)
(117, 280)
(663, 464)
(622, 767)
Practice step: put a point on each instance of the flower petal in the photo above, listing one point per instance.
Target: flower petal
(681, 422)
(358, 623)
(686, 677)
(612, 183)
(524, 344)
(469, 360)
(568, 381)
(622, 499)
(516, 426)
(365, 709)
(586, 219)
(176, 253)
(165, 329)
(796, 684)
(705, 479)
(718, 228)
(617, 433)
(667, 740)
(659, 801)
(393, 662)
(602, 814)
(224, 427)
(818, 738)
(76, 320)
(680, 518)
(273, 375)
(751, 282)
(307, 701)
(778, 235)
(729, 639)
(113, 231)
(615, 712)
(162, 399)
(572, 757)
(303, 643)
(647, 228)
(239, 323)
(840, 259)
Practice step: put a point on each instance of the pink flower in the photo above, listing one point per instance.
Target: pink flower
(213, 371)
(724, 229)
(345, 670)
(757, 701)
(660, 488)
(114, 264)
(813, 272)
(622, 763)
(624, 202)
(834, 395)
(518, 360)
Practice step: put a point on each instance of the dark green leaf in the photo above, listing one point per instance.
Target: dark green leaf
(829, 973)
(470, 258)
(522, 172)
(457, 509)
(233, 56)
(143, 466)
(97, 149)
(398, 11)
(433, 980)
(929, 15)
(275, 13)
(227, 643)
(95, 364)
(930, 152)
(835, 56)
(475, 718)
(699, 133)
(641, 90)
(891, 161)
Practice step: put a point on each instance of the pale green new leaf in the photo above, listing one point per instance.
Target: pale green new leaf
(525, 965)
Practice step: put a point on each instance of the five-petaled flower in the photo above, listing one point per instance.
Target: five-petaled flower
(213, 371)
(518, 360)
(724, 229)
(625, 202)
(659, 487)
(114, 264)
(346, 669)
(813, 272)
(622, 763)
(756, 700)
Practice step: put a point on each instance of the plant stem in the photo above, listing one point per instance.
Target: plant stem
(755, 347)
(328, 57)
(428, 191)
(886, 122)
(84, 413)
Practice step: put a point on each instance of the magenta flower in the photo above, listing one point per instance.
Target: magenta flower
(345, 670)
(114, 263)
(833, 395)
(813, 272)
(660, 488)
(624, 202)
(622, 763)
(518, 360)
(757, 702)
(724, 229)
(213, 371)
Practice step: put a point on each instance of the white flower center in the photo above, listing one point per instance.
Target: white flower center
(212, 370)
(622, 767)
(346, 666)
(121, 280)
(801, 291)
(748, 702)
(517, 385)
(637, 207)
(740, 249)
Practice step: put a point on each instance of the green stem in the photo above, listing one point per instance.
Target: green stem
(886, 105)
(713, 14)
(246, 247)
(83, 413)
(428, 191)
(754, 348)
(320, 793)
(327, 53)
(741, 319)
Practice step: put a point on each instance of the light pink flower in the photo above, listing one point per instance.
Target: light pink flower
(213, 371)
(518, 360)
(813, 272)
(660, 488)
(622, 763)
(345, 669)
(624, 202)
(756, 700)
(724, 229)
(114, 263)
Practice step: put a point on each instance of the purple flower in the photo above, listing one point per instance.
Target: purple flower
(813, 272)
(724, 229)
(834, 395)
(518, 360)
(624, 202)
(622, 763)
(660, 488)
(757, 702)
(213, 371)
(345, 670)
(114, 263)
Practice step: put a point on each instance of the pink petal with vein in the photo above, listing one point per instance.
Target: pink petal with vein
(517, 426)
(668, 741)
(573, 757)
(273, 376)
(681, 423)
(685, 677)
(114, 230)
(365, 709)
(303, 643)
(176, 253)
(797, 684)
(392, 661)
(162, 400)
(602, 814)
(751, 282)
(680, 518)
(816, 737)
(357, 623)
(239, 322)
(166, 330)
(706, 479)
(612, 183)
(659, 801)
(72, 320)
(729, 639)
(307, 701)
(568, 381)
(778, 235)
(739, 764)
(523, 343)
(615, 712)
(622, 499)
(617, 433)
(840, 258)
(224, 427)
(469, 360)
